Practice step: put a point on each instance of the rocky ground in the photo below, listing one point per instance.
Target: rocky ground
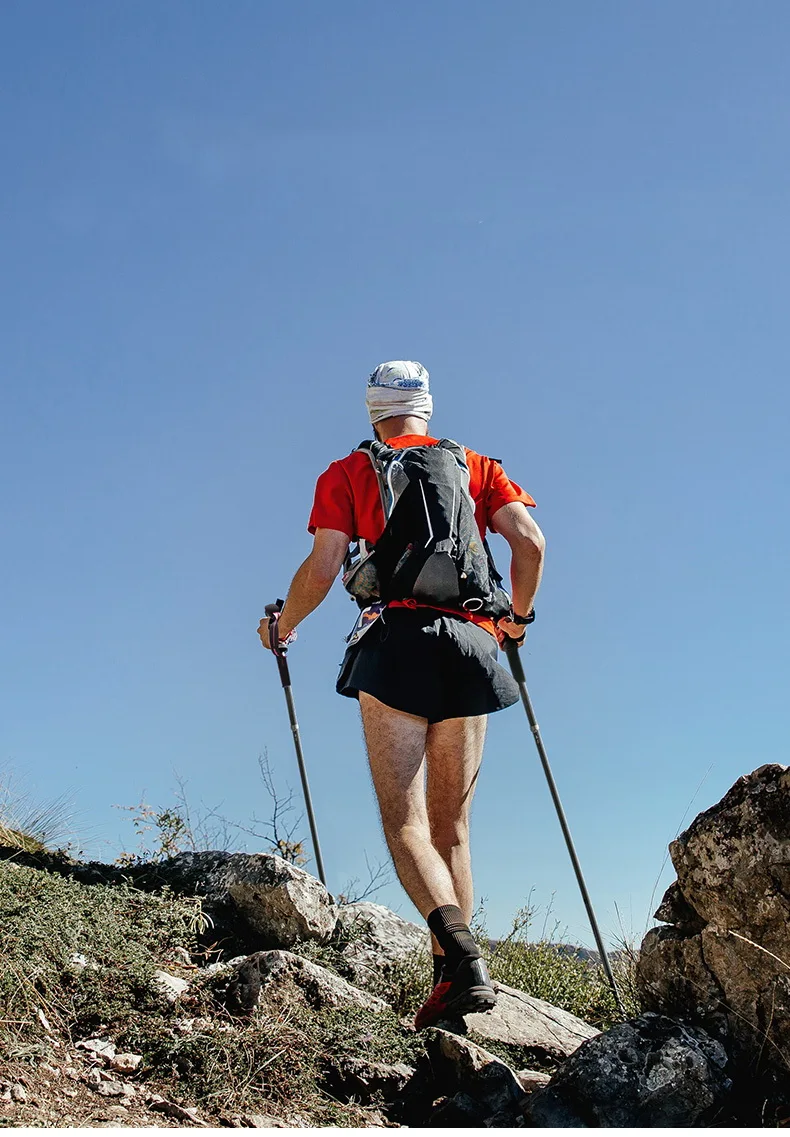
(134, 999)
(231, 990)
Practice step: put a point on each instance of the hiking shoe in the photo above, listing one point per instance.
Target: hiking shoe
(466, 991)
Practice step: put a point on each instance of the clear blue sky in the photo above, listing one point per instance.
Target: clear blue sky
(215, 219)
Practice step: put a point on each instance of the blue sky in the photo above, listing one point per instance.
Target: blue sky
(216, 219)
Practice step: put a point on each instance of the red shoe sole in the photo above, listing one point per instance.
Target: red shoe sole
(475, 1000)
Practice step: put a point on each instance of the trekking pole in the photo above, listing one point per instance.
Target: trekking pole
(517, 668)
(273, 612)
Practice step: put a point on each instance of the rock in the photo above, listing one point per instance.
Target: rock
(224, 966)
(675, 909)
(110, 1089)
(18, 1092)
(674, 978)
(650, 1073)
(531, 1080)
(101, 1049)
(723, 962)
(362, 1080)
(126, 1063)
(460, 1066)
(377, 937)
(280, 902)
(267, 970)
(522, 1020)
(171, 986)
(733, 862)
(79, 962)
(172, 1109)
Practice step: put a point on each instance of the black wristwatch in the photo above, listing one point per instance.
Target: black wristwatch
(514, 619)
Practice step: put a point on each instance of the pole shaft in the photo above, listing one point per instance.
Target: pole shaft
(289, 699)
(518, 675)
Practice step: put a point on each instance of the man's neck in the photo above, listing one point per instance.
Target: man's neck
(397, 425)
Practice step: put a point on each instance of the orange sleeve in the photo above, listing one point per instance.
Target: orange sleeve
(501, 491)
(333, 504)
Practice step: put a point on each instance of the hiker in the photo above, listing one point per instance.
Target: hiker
(422, 657)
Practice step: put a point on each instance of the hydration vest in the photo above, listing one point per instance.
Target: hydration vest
(431, 550)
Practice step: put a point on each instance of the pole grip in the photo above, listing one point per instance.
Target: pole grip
(514, 659)
(273, 612)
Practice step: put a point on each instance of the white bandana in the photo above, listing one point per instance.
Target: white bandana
(399, 387)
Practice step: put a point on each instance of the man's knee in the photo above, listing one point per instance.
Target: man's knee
(407, 837)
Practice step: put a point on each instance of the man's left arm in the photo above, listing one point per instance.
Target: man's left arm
(312, 582)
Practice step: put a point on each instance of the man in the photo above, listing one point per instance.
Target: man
(426, 677)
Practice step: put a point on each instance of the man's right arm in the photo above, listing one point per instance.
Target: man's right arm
(312, 581)
(527, 548)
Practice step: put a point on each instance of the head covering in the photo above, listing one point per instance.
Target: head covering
(399, 387)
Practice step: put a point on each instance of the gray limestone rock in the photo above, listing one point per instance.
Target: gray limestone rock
(266, 971)
(363, 1080)
(733, 862)
(522, 1020)
(377, 937)
(280, 902)
(724, 960)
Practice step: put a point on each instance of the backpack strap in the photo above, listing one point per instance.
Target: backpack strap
(456, 449)
(373, 451)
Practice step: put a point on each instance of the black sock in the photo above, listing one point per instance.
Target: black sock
(438, 965)
(452, 933)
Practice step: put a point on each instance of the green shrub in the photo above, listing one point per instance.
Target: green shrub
(554, 972)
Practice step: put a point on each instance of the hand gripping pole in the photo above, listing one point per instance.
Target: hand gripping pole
(516, 667)
(273, 612)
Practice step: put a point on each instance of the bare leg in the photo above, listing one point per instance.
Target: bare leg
(396, 752)
(454, 750)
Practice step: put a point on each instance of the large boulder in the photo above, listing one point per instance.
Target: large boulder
(522, 1020)
(723, 961)
(279, 902)
(648, 1073)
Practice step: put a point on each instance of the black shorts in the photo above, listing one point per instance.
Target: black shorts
(430, 664)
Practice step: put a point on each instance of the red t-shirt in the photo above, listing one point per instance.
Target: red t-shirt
(347, 497)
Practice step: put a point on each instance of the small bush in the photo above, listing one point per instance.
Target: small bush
(555, 973)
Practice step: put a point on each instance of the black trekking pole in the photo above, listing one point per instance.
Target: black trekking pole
(273, 612)
(517, 668)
